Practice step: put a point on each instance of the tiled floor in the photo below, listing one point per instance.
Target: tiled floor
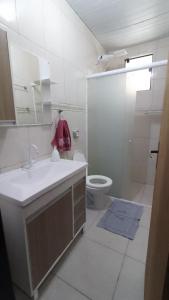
(143, 193)
(101, 265)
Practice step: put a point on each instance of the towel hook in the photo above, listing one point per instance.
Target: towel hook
(60, 111)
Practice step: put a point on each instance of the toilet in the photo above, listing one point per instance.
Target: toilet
(97, 187)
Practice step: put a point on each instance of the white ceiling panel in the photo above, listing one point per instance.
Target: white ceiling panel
(123, 23)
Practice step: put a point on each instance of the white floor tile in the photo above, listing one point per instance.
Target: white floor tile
(137, 248)
(146, 200)
(106, 238)
(92, 269)
(91, 216)
(57, 289)
(134, 191)
(146, 218)
(147, 197)
(131, 282)
(137, 191)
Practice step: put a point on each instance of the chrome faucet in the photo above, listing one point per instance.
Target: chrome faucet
(31, 161)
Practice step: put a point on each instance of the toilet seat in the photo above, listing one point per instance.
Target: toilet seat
(98, 181)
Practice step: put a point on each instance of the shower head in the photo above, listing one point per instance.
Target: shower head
(105, 58)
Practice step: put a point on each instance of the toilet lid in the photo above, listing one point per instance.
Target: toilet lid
(98, 181)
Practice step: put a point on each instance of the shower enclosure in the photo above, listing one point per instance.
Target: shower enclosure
(123, 128)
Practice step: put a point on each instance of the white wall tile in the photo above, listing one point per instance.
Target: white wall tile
(151, 170)
(30, 20)
(143, 100)
(50, 28)
(75, 85)
(148, 126)
(8, 13)
(58, 93)
(76, 120)
(141, 126)
(158, 90)
(159, 73)
(44, 27)
(163, 42)
(147, 48)
(153, 143)
(155, 123)
(70, 37)
(13, 146)
(41, 137)
(140, 149)
(57, 76)
(139, 171)
(161, 53)
(53, 27)
(56, 68)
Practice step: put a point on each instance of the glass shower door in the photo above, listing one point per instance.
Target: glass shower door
(110, 125)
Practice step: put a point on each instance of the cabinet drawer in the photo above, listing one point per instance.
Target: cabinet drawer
(79, 193)
(79, 222)
(48, 234)
(79, 209)
(79, 190)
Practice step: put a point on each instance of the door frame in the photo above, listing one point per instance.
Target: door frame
(158, 246)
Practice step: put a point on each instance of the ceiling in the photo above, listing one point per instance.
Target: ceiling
(119, 24)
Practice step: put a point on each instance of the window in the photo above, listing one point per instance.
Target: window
(139, 80)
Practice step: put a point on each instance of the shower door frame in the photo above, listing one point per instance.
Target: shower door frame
(157, 264)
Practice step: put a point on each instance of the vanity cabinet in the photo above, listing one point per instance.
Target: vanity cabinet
(38, 234)
(7, 110)
(79, 204)
(49, 232)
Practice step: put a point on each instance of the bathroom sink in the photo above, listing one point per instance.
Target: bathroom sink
(23, 185)
(32, 176)
(40, 173)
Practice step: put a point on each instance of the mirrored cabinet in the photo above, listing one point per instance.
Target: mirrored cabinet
(7, 109)
(31, 87)
(25, 86)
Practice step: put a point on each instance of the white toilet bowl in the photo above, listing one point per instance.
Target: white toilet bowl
(97, 187)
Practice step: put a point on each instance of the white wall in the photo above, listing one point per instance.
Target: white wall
(147, 127)
(50, 29)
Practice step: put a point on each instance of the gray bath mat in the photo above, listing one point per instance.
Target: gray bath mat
(122, 218)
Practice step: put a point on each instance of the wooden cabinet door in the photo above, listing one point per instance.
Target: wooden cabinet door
(158, 249)
(48, 233)
(7, 110)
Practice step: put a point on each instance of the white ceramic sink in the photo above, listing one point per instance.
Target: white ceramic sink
(40, 173)
(32, 176)
(22, 185)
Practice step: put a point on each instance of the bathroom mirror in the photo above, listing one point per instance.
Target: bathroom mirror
(31, 87)
(7, 109)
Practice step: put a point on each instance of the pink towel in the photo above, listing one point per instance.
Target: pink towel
(62, 138)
